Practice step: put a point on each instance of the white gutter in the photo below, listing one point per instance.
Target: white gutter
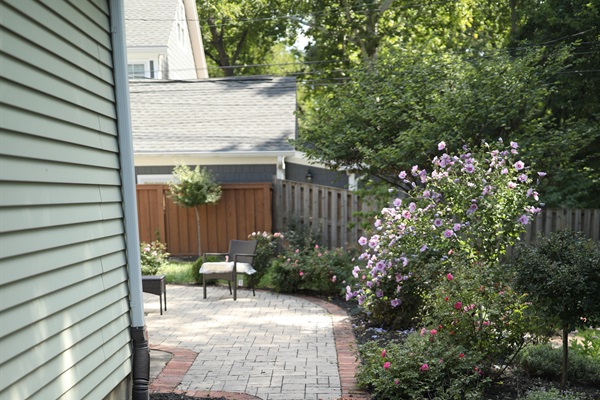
(126, 160)
(140, 354)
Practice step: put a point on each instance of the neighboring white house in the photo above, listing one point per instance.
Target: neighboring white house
(163, 40)
(70, 284)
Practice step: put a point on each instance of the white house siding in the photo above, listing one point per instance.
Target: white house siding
(64, 313)
(179, 50)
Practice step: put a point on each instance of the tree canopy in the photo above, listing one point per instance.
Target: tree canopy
(239, 33)
(385, 79)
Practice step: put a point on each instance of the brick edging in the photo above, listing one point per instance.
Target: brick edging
(173, 373)
(345, 344)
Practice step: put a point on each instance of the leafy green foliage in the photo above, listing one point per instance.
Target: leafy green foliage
(193, 187)
(552, 394)
(589, 343)
(237, 32)
(391, 116)
(153, 256)
(561, 277)
(313, 268)
(267, 248)
(544, 361)
(421, 367)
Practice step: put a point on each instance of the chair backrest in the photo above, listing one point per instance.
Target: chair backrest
(242, 247)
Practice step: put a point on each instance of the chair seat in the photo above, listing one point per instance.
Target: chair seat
(224, 267)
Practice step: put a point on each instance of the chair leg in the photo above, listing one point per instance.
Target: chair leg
(204, 285)
(235, 288)
(229, 283)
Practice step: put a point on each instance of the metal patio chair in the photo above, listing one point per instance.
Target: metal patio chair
(238, 261)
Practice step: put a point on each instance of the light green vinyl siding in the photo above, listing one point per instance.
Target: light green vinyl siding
(64, 311)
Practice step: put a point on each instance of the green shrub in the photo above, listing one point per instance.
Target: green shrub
(543, 361)
(589, 344)
(315, 269)
(152, 256)
(552, 394)
(422, 367)
(285, 275)
(266, 250)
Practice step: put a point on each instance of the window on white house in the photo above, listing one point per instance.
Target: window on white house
(135, 71)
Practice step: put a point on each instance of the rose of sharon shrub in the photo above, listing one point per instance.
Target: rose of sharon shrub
(467, 207)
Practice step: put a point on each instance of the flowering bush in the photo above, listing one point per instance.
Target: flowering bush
(266, 251)
(475, 308)
(469, 208)
(153, 256)
(423, 367)
(321, 270)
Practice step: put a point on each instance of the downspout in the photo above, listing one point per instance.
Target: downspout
(139, 333)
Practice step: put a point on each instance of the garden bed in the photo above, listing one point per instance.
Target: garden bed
(514, 385)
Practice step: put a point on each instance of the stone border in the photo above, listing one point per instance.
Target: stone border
(345, 344)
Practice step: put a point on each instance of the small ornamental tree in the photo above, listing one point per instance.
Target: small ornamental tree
(561, 277)
(194, 188)
(468, 207)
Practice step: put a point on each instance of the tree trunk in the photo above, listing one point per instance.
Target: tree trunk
(198, 227)
(565, 358)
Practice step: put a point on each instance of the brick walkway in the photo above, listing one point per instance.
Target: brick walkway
(269, 347)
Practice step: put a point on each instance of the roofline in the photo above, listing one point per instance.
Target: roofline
(286, 153)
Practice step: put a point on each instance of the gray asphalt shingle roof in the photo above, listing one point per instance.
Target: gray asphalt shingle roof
(149, 22)
(215, 115)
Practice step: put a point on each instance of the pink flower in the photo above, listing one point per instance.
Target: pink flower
(397, 202)
(504, 171)
(316, 246)
(470, 168)
(424, 368)
(395, 302)
(441, 145)
(301, 273)
(297, 250)
(486, 323)
(362, 241)
(446, 298)
(524, 219)
(386, 365)
(383, 353)
(514, 145)
(461, 355)
(458, 305)
(438, 222)
(333, 278)
(402, 175)
(541, 174)
(519, 165)
(432, 332)
(512, 185)
(448, 233)
(449, 276)
(456, 227)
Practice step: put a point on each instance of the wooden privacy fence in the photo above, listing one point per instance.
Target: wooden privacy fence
(243, 209)
(557, 219)
(328, 211)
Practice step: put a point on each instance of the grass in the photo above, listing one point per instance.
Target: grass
(178, 272)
